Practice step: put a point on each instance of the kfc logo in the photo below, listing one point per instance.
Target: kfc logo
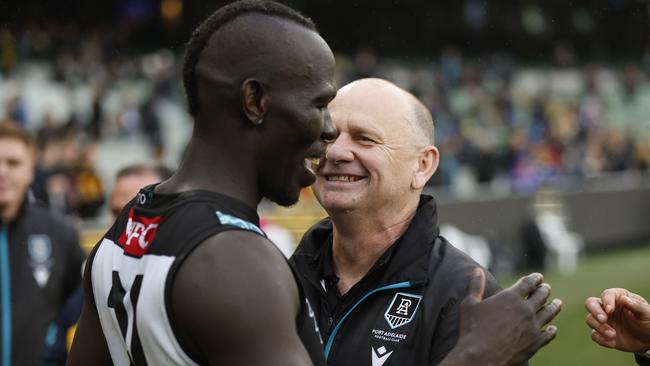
(138, 234)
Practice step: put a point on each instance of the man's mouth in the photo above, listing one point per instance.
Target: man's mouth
(312, 164)
(343, 178)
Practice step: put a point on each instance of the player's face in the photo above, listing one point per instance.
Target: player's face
(16, 171)
(371, 164)
(298, 120)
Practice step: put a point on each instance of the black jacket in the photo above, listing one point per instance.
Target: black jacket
(405, 311)
(642, 361)
(44, 269)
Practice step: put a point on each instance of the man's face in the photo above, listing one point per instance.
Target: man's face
(296, 121)
(127, 187)
(371, 163)
(16, 171)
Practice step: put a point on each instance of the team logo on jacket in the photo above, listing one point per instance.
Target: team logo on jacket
(138, 234)
(39, 247)
(402, 309)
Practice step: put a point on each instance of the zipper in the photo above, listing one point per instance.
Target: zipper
(5, 295)
(330, 340)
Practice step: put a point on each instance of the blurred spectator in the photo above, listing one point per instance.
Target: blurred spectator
(128, 182)
(130, 179)
(40, 257)
(65, 173)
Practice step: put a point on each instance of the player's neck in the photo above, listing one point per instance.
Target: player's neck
(206, 167)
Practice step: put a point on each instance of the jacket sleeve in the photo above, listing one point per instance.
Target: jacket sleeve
(642, 361)
(446, 333)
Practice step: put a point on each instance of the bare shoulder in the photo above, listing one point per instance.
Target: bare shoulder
(231, 286)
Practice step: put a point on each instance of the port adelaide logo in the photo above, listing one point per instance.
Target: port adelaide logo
(402, 309)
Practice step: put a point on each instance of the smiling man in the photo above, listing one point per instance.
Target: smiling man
(40, 257)
(185, 276)
(387, 287)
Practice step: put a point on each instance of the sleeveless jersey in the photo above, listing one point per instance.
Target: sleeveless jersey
(134, 265)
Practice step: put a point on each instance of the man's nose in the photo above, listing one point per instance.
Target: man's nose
(338, 150)
(329, 129)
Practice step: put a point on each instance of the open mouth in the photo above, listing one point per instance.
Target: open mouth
(343, 178)
(311, 163)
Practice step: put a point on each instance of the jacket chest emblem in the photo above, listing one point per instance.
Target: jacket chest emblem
(39, 247)
(402, 309)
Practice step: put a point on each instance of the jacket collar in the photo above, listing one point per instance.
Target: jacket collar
(406, 260)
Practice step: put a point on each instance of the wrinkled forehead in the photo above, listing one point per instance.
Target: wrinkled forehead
(379, 111)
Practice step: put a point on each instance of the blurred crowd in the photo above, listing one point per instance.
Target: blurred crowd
(521, 127)
(499, 123)
(74, 91)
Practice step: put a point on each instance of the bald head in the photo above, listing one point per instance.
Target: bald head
(387, 99)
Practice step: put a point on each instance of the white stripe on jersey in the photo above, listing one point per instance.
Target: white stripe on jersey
(158, 341)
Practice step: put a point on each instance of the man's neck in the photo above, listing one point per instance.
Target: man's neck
(206, 167)
(9, 212)
(360, 239)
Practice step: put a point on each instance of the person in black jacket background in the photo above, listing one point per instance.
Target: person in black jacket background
(386, 286)
(40, 257)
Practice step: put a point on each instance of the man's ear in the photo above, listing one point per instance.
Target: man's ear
(254, 101)
(427, 164)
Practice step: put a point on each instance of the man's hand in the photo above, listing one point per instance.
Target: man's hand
(505, 329)
(619, 319)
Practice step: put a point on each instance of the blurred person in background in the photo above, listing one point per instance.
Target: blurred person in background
(66, 178)
(386, 286)
(128, 181)
(620, 319)
(40, 257)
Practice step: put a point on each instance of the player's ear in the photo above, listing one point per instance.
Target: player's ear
(254, 100)
(427, 164)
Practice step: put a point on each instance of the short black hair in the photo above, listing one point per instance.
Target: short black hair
(206, 29)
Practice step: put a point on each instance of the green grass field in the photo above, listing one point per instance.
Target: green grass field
(573, 346)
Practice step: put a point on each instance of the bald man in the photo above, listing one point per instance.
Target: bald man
(185, 276)
(387, 287)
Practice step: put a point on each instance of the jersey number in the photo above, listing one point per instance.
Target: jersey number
(116, 302)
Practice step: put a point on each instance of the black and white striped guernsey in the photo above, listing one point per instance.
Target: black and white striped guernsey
(134, 265)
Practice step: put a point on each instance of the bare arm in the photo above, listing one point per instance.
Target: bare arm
(89, 345)
(235, 300)
(505, 329)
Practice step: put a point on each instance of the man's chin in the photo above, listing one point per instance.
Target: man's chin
(286, 199)
(337, 207)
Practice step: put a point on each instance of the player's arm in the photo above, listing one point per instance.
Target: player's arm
(89, 346)
(505, 329)
(235, 302)
(619, 319)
